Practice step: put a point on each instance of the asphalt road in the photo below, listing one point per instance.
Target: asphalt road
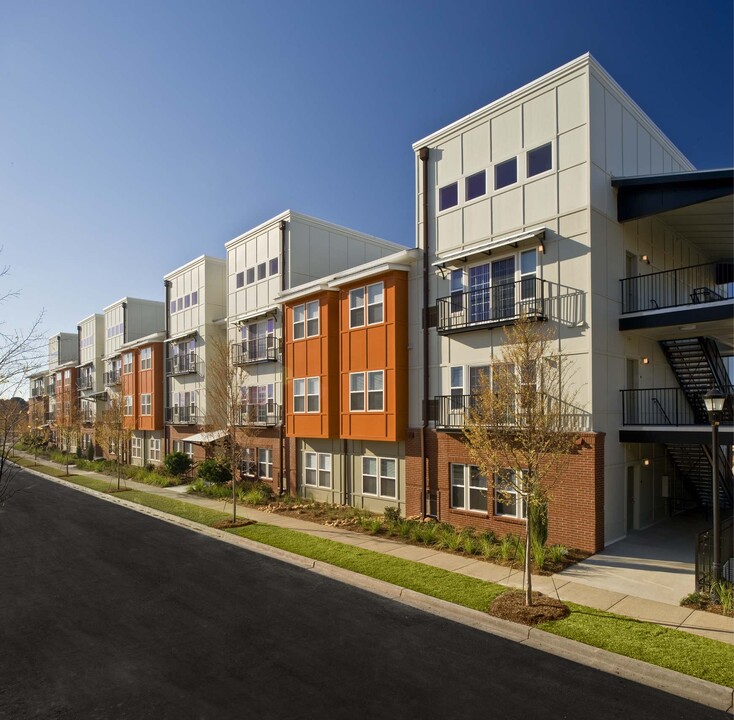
(108, 613)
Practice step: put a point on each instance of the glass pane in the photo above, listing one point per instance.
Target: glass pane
(540, 159)
(356, 382)
(374, 380)
(374, 293)
(457, 475)
(311, 460)
(479, 293)
(528, 262)
(356, 298)
(477, 499)
(369, 466)
(325, 462)
(457, 377)
(369, 484)
(448, 196)
(387, 488)
(457, 496)
(387, 468)
(505, 173)
(476, 185)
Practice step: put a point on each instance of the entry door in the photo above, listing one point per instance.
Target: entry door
(479, 293)
(630, 498)
(503, 288)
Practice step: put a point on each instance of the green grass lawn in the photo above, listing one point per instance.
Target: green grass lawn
(673, 649)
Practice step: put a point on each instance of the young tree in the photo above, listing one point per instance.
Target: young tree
(68, 423)
(111, 431)
(228, 417)
(37, 429)
(13, 421)
(521, 427)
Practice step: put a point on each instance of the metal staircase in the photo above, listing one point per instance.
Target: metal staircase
(699, 367)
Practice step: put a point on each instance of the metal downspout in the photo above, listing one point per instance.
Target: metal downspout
(284, 465)
(423, 156)
(166, 348)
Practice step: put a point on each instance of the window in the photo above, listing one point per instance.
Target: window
(299, 395)
(250, 275)
(448, 196)
(248, 466)
(187, 301)
(375, 387)
(274, 266)
(379, 476)
(145, 404)
(375, 303)
(356, 392)
(137, 447)
(457, 387)
(155, 449)
(313, 394)
(179, 304)
(240, 279)
(67, 375)
(528, 277)
(505, 173)
(318, 469)
(188, 448)
(468, 488)
(262, 269)
(540, 159)
(145, 358)
(476, 185)
(127, 363)
(265, 463)
(128, 405)
(312, 318)
(457, 290)
(195, 297)
(356, 307)
(478, 375)
(506, 500)
(172, 308)
(299, 322)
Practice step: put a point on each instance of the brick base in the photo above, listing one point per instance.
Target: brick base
(576, 506)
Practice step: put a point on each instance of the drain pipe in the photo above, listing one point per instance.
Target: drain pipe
(423, 156)
(284, 466)
(166, 350)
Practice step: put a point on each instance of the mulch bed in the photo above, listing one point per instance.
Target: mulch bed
(511, 606)
(227, 524)
(705, 604)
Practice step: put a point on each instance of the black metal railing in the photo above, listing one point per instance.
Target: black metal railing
(51, 388)
(50, 417)
(691, 285)
(38, 391)
(112, 378)
(182, 415)
(181, 364)
(258, 350)
(85, 382)
(452, 412)
(705, 552)
(259, 414)
(658, 406)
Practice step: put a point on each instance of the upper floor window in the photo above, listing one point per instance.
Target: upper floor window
(375, 305)
(373, 397)
(240, 279)
(262, 271)
(67, 375)
(448, 196)
(127, 363)
(145, 358)
(274, 266)
(306, 395)
(476, 185)
(505, 173)
(250, 275)
(195, 297)
(127, 407)
(179, 304)
(306, 320)
(540, 159)
(145, 404)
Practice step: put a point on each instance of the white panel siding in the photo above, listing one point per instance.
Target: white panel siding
(539, 119)
(572, 104)
(475, 149)
(507, 135)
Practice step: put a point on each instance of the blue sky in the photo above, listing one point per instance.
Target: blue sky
(135, 136)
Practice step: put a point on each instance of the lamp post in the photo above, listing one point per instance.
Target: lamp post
(714, 402)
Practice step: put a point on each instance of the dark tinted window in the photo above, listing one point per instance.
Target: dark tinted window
(539, 160)
(448, 196)
(505, 173)
(240, 279)
(476, 185)
(250, 275)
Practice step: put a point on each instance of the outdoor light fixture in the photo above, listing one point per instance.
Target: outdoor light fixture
(645, 259)
(646, 361)
(541, 247)
(646, 461)
(714, 401)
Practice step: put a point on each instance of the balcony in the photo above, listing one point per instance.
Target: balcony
(51, 388)
(181, 364)
(85, 382)
(112, 378)
(183, 415)
(38, 391)
(259, 415)
(452, 412)
(87, 415)
(50, 417)
(247, 352)
(505, 304)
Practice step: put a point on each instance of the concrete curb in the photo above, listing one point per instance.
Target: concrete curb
(670, 681)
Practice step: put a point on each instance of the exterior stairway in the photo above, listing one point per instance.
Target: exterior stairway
(694, 465)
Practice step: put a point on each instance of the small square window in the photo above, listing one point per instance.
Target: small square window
(505, 173)
(262, 271)
(187, 301)
(274, 266)
(240, 279)
(448, 196)
(476, 185)
(312, 318)
(195, 298)
(179, 304)
(540, 160)
(250, 276)
(172, 310)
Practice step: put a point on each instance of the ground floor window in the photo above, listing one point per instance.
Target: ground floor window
(184, 447)
(379, 476)
(317, 469)
(265, 463)
(137, 447)
(155, 449)
(468, 488)
(507, 501)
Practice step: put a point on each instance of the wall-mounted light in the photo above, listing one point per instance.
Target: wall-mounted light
(541, 247)
(645, 461)
(645, 259)
(646, 361)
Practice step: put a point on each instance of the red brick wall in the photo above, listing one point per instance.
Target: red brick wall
(576, 508)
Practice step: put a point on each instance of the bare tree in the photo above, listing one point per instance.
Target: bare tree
(522, 425)
(68, 423)
(13, 422)
(111, 431)
(229, 418)
(38, 433)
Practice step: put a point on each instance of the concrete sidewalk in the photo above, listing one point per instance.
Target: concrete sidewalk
(698, 622)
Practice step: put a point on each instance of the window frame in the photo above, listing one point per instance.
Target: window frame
(548, 145)
(311, 306)
(380, 476)
(314, 380)
(127, 363)
(468, 474)
(299, 325)
(154, 448)
(250, 276)
(316, 471)
(299, 392)
(503, 164)
(146, 404)
(240, 279)
(355, 293)
(136, 447)
(273, 264)
(520, 503)
(127, 407)
(443, 204)
(372, 305)
(146, 355)
(358, 394)
(473, 176)
(265, 463)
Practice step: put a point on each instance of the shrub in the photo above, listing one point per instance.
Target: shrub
(724, 590)
(392, 515)
(508, 547)
(256, 494)
(404, 527)
(556, 553)
(218, 491)
(78, 451)
(487, 546)
(213, 472)
(539, 552)
(90, 452)
(177, 463)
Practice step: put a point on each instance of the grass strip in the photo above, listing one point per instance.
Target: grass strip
(666, 647)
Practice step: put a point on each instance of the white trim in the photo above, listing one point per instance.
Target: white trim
(449, 260)
(191, 264)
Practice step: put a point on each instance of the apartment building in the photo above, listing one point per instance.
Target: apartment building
(90, 381)
(286, 251)
(126, 321)
(196, 310)
(564, 201)
(346, 348)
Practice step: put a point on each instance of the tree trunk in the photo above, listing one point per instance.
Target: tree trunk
(528, 576)
(234, 489)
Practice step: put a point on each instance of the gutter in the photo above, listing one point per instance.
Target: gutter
(423, 154)
(284, 465)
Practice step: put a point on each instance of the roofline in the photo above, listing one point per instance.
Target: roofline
(670, 178)
(155, 337)
(191, 263)
(89, 317)
(128, 299)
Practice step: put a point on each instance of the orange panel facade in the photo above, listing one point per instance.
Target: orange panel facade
(143, 382)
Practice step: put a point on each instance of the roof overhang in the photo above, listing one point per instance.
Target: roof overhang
(181, 336)
(456, 258)
(205, 438)
(271, 311)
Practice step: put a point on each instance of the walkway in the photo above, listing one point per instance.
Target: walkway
(579, 586)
